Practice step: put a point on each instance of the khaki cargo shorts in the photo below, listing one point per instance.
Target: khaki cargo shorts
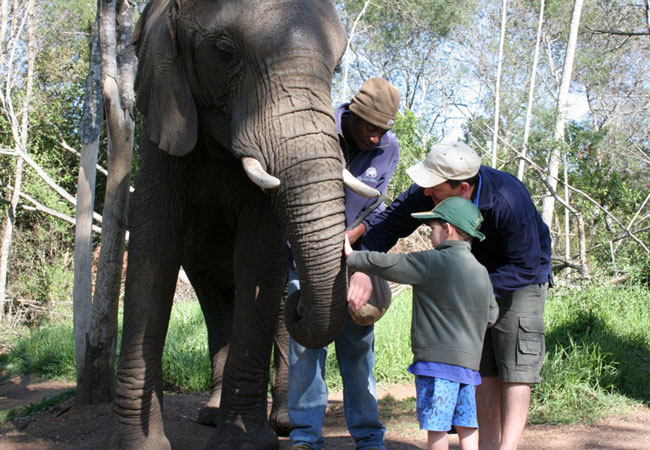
(514, 347)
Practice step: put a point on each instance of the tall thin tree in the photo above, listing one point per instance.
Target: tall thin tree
(497, 94)
(91, 122)
(548, 203)
(531, 93)
(118, 64)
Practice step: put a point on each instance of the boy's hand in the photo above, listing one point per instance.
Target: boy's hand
(347, 248)
(359, 290)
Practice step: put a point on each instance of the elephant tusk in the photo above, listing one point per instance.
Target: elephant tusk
(257, 174)
(357, 186)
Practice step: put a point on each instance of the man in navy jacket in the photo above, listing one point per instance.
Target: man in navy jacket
(371, 154)
(517, 254)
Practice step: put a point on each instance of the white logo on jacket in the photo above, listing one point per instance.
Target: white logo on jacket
(369, 175)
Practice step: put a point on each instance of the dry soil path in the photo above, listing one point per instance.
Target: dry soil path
(68, 428)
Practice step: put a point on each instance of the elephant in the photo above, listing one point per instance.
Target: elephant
(239, 155)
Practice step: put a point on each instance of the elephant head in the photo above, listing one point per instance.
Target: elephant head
(251, 79)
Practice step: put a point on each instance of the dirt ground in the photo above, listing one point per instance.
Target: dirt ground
(67, 428)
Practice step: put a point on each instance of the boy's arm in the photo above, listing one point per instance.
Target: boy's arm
(405, 269)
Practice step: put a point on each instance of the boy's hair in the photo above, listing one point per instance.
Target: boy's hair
(462, 234)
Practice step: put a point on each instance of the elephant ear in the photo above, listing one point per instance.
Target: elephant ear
(164, 95)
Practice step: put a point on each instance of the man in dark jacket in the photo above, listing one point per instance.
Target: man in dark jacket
(371, 154)
(517, 254)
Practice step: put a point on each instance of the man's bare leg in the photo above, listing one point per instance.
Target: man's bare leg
(515, 400)
(488, 410)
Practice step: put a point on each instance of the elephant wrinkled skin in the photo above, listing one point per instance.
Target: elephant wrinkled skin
(221, 81)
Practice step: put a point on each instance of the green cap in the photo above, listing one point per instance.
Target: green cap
(459, 212)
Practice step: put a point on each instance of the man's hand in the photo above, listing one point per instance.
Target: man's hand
(347, 247)
(359, 290)
(355, 233)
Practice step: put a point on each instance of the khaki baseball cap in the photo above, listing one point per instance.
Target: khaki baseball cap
(459, 212)
(376, 102)
(445, 161)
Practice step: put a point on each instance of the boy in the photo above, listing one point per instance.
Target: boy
(453, 304)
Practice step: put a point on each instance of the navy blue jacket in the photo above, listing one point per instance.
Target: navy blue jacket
(517, 246)
(373, 166)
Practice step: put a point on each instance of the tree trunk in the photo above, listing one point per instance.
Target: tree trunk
(560, 120)
(7, 234)
(90, 133)
(497, 95)
(531, 93)
(115, 27)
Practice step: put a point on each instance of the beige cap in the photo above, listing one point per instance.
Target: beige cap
(446, 161)
(377, 102)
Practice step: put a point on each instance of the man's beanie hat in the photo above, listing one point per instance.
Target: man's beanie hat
(377, 102)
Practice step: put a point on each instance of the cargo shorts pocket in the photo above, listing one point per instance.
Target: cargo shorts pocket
(530, 343)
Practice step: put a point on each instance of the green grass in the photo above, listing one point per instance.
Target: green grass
(33, 408)
(598, 354)
(46, 351)
(186, 364)
(597, 360)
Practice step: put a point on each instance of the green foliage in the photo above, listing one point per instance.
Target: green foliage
(33, 408)
(412, 148)
(47, 352)
(186, 365)
(598, 342)
(41, 256)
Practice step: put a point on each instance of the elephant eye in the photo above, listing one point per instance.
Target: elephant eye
(226, 53)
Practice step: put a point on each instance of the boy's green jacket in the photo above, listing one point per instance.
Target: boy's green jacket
(453, 301)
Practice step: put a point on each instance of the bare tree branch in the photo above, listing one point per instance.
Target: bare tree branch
(619, 32)
(38, 206)
(50, 182)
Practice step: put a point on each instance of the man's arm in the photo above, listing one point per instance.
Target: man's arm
(396, 221)
(355, 233)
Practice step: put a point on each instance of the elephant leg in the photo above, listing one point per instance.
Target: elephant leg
(279, 418)
(154, 258)
(260, 275)
(217, 304)
(137, 406)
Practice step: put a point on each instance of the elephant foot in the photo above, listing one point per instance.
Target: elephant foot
(229, 436)
(151, 442)
(279, 421)
(208, 415)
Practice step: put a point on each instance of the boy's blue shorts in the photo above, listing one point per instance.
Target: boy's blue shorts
(442, 403)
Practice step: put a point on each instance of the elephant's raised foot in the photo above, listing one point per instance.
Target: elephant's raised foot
(229, 436)
(208, 415)
(279, 421)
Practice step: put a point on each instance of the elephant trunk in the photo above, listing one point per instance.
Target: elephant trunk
(312, 202)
